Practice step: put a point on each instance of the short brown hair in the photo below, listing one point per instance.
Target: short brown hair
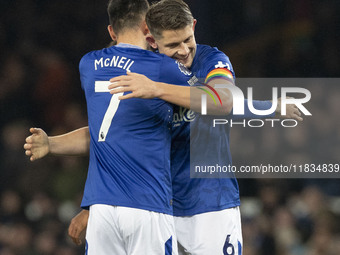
(126, 13)
(168, 15)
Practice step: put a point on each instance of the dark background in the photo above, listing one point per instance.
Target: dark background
(41, 44)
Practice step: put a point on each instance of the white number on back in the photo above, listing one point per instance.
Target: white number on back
(102, 86)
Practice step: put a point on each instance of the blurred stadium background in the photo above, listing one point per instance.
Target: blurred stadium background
(41, 44)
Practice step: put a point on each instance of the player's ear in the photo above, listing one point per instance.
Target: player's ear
(194, 24)
(151, 40)
(144, 28)
(112, 33)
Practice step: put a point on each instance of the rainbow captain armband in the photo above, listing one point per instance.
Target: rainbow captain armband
(219, 73)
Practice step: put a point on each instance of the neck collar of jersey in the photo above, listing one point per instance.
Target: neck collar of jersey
(126, 45)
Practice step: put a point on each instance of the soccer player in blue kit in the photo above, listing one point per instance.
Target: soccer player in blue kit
(206, 211)
(207, 216)
(128, 189)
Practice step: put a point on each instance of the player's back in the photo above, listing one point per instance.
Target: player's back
(130, 139)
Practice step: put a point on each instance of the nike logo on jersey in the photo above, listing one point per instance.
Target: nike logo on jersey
(115, 61)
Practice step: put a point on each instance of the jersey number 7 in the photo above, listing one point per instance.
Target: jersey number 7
(102, 86)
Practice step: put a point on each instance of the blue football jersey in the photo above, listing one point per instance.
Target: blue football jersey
(130, 139)
(208, 145)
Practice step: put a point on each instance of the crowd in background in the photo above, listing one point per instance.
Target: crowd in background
(41, 44)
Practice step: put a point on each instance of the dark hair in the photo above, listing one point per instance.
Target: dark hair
(126, 13)
(168, 15)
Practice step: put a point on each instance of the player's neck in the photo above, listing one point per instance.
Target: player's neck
(133, 37)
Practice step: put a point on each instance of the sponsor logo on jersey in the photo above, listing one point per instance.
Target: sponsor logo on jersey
(182, 115)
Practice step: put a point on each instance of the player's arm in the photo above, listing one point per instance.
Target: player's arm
(39, 144)
(219, 101)
(189, 97)
(77, 227)
(292, 112)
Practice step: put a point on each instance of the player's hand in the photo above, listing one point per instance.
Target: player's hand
(139, 85)
(77, 227)
(292, 112)
(37, 144)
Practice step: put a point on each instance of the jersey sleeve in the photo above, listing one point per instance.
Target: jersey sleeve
(258, 105)
(218, 66)
(83, 67)
(219, 61)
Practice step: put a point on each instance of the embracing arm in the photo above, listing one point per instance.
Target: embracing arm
(185, 96)
(190, 97)
(38, 145)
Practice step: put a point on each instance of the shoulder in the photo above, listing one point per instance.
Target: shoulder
(210, 58)
(94, 54)
(90, 56)
(208, 53)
